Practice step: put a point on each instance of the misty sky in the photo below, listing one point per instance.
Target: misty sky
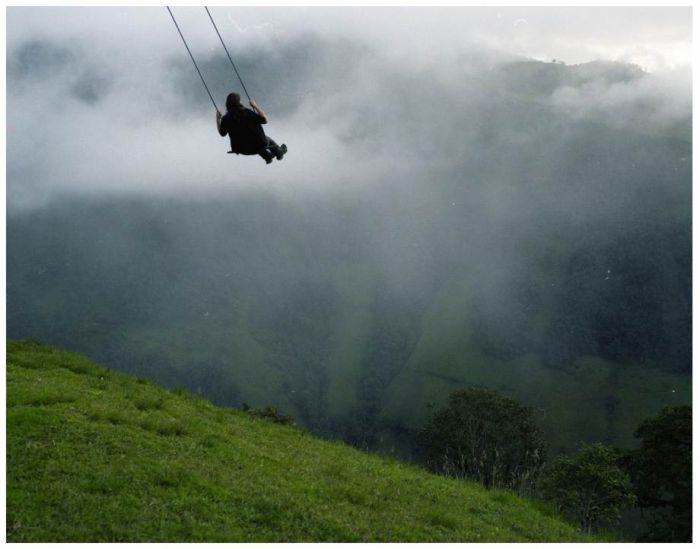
(105, 99)
(652, 37)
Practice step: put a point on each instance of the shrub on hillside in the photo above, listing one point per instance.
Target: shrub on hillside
(590, 487)
(484, 436)
(269, 413)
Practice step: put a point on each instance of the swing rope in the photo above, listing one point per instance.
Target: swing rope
(192, 57)
(227, 53)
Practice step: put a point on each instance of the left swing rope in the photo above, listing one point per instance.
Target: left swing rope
(192, 57)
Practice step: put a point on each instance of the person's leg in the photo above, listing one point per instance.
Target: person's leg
(267, 155)
(276, 149)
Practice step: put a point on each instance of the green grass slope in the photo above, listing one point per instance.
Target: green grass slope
(96, 455)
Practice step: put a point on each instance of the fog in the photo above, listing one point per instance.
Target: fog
(120, 106)
(465, 188)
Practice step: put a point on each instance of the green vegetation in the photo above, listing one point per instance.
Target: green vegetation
(484, 436)
(662, 472)
(270, 413)
(591, 486)
(96, 455)
(487, 437)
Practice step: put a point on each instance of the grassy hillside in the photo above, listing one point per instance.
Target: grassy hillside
(95, 455)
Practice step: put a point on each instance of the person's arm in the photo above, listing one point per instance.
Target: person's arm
(259, 111)
(218, 124)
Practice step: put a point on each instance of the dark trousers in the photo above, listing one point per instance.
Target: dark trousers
(271, 150)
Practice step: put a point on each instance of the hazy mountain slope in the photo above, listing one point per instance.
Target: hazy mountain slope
(95, 455)
(616, 397)
(536, 225)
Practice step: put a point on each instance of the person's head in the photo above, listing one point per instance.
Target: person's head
(233, 102)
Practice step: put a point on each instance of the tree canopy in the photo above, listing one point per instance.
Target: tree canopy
(662, 472)
(591, 486)
(484, 436)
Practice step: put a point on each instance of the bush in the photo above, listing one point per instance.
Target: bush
(484, 436)
(661, 470)
(269, 413)
(590, 487)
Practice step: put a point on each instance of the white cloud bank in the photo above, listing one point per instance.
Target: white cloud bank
(100, 107)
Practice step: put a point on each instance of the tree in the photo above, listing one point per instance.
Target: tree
(484, 436)
(661, 470)
(591, 487)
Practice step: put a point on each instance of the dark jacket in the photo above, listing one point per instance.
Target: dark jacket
(244, 128)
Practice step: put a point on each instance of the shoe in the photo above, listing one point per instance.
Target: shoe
(283, 148)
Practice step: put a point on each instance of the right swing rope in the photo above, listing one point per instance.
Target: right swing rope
(227, 53)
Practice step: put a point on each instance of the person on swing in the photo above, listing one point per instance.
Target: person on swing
(244, 128)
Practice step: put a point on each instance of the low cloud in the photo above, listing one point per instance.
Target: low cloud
(88, 114)
(654, 103)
